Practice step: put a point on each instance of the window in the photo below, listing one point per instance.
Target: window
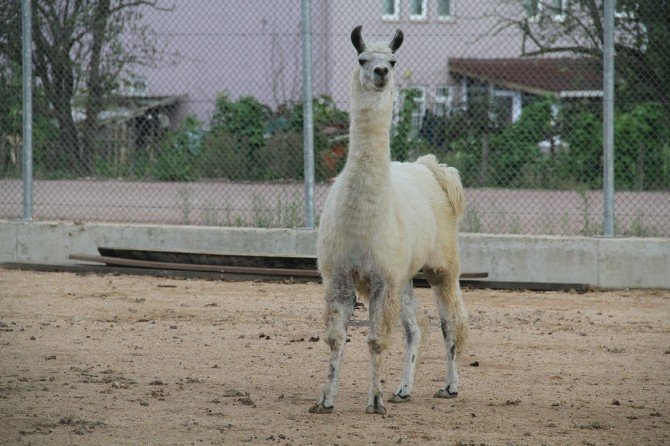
(557, 9)
(443, 98)
(478, 97)
(506, 106)
(417, 9)
(533, 8)
(390, 9)
(486, 101)
(463, 98)
(444, 10)
(623, 10)
(138, 86)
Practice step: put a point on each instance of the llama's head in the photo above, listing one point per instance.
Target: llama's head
(376, 60)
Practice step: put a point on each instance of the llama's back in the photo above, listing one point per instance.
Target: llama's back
(432, 181)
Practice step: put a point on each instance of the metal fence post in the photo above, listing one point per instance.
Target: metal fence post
(308, 123)
(608, 119)
(26, 24)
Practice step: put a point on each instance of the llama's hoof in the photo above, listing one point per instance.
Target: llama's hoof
(320, 408)
(397, 398)
(445, 393)
(379, 409)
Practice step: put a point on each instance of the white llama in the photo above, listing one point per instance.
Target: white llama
(383, 221)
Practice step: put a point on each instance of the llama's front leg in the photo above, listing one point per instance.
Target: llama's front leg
(412, 330)
(382, 316)
(340, 298)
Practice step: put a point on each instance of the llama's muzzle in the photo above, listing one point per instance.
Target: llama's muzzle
(380, 77)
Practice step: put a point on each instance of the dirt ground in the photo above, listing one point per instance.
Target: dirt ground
(139, 360)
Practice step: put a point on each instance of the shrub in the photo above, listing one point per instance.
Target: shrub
(282, 157)
(220, 156)
(246, 120)
(580, 127)
(177, 159)
(641, 148)
(330, 135)
(515, 149)
(401, 142)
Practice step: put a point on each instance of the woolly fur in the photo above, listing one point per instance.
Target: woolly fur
(386, 220)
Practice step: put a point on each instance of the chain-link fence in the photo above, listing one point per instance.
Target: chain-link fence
(192, 112)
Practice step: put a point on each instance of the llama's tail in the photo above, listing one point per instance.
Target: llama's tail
(450, 181)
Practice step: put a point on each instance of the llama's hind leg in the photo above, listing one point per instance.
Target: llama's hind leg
(453, 322)
(340, 298)
(412, 330)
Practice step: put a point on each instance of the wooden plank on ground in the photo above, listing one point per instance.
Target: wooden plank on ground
(222, 268)
(232, 260)
(200, 258)
(191, 267)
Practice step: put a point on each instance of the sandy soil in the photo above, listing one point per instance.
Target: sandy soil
(137, 360)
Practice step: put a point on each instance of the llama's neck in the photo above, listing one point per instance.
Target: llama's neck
(369, 132)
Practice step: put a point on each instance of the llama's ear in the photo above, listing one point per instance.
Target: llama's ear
(357, 40)
(397, 40)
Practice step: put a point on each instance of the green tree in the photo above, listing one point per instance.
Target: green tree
(401, 140)
(80, 47)
(180, 154)
(10, 119)
(580, 126)
(464, 137)
(642, 76)
(11, 125)
(246, 120)
(642, 40)
(330, 136)
(642, 157)
(515, 154)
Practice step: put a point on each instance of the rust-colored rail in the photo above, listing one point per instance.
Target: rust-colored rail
(195, 267)
(213, 263)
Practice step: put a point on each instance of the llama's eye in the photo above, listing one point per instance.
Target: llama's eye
(392, 62)
(362, 61)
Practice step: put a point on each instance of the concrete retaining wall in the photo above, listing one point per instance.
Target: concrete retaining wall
(605, 263)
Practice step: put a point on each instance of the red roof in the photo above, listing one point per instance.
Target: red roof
(560, 76)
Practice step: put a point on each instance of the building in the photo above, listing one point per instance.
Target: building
(254, 48)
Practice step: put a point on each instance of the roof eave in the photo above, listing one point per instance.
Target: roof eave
(506, 84)
(528, 88)
(581, 94)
